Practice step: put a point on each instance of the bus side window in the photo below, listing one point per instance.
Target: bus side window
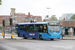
(30, 28)
(45, 28)
(36, 28)
(40, 28)
(20, 27)
(26, 28)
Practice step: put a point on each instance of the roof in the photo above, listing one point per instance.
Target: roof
(33, 23)
(36, 23)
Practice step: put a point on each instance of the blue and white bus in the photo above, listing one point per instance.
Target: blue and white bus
(41, 30)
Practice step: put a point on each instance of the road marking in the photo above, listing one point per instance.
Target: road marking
(65, 47)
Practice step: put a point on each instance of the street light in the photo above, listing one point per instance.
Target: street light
(48, 11)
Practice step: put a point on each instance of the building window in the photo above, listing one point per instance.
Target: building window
(67, 15)
(6, 17)
(19, 16)
(71, 14)
(6, 20)
(23, 16)
(3, 18)
(31, 18)
(36, 18)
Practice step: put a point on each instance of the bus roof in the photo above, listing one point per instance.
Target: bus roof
(33, 23)
(36, 23)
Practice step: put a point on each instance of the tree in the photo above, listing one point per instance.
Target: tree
(73, 17)
(53, 17)
(0, 2)
(47, 19)
(0, 27)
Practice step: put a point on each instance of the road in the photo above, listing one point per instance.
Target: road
(30, 44)
(34, 44)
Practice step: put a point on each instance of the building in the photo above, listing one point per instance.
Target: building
(26, 18)
(20, 17)
(67, 16)
(4, 17)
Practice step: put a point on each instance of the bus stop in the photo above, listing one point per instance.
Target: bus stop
(69, 27)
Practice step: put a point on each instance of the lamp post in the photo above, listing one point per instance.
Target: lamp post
(3, 33)
(48, 11)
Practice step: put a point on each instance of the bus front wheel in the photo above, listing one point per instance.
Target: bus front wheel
(52, 39)
(24, 37)
(40, 37)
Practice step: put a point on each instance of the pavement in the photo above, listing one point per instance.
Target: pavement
(68, 38)
(8, 36)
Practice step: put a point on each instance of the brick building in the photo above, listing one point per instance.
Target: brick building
(26, 18)
(21, 17)
(5, 17)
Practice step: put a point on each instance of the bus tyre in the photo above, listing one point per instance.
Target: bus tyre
(33, 38)
(18, 35)
(52, 39)
(40, 37)
(24, 37)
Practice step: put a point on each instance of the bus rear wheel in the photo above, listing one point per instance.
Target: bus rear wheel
(18, 35)
(40, 37)
(24, 37)
(33, 38)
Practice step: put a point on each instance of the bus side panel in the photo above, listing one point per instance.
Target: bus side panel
(44, 35)
(23, 33)
(20, 33)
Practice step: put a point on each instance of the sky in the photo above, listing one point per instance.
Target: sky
(38, 7)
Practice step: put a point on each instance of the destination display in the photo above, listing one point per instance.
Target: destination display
(52, 23)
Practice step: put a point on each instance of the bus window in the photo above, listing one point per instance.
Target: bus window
(30, 28)
(42, 28)
(54, 27)
(24, 27)
(20, 27)
(36, 28)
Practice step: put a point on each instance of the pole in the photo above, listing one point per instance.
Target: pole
(4, 32)
(62, 36)
(11, 33)
(48, 11)
(11, 28)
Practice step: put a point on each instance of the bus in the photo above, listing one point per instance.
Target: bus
(40, 30)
